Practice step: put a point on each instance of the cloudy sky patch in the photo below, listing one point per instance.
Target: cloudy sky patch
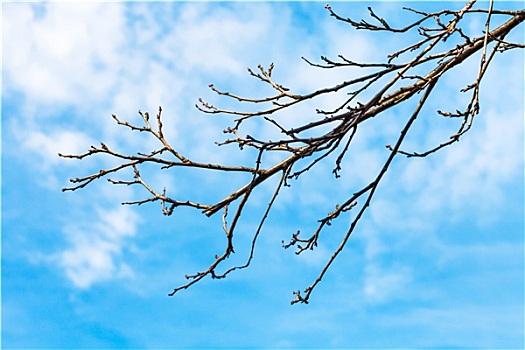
(437, 261)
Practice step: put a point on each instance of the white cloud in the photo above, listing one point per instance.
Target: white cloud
(62, 56)
(47, 145)
(95, 252)
(478, 167)
(382, 285)
(40, 150)
(213, 41)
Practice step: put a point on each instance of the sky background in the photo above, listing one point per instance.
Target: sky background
(437, 261)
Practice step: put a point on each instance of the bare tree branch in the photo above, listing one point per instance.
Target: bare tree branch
(304, 146)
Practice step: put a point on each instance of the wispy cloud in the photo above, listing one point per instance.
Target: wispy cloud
(96, 248)
(66, 52)
(383, 285)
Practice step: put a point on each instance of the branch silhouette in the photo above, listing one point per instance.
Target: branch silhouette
(392, 82)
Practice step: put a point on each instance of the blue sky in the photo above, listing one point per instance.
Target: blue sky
(436, 262)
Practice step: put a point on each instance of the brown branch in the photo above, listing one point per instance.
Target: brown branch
(304, 146)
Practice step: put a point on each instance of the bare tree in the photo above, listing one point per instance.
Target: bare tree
(410, 73)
